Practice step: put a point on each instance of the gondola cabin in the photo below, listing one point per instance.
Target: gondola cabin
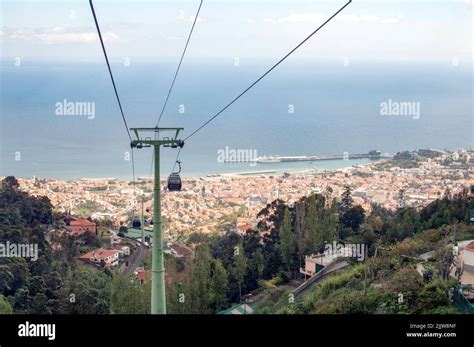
(174, 182)
(136, 223)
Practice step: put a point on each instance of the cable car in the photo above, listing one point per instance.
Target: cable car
(174, 180)
(136, 223)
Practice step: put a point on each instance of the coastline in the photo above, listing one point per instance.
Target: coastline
(253, 172)
(212, 199)
(249, 171)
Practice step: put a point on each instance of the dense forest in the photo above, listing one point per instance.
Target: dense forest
(239, 265)
(227, 267)
(56, 282)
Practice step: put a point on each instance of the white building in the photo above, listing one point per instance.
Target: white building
(468, 257)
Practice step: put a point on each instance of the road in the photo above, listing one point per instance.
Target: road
(305, 286)
(337, 265)
(136, 258)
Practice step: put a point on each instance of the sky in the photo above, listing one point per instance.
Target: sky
(418, 30)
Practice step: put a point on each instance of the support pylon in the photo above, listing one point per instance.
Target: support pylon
(158, 296)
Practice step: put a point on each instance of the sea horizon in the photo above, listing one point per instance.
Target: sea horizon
(306, 107)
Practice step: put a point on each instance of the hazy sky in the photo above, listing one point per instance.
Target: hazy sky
(366, 29)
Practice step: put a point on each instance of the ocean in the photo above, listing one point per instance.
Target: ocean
(304, 107)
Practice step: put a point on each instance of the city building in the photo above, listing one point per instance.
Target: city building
(122, 249)
(78, 227)
(102, 257)
(468, 258)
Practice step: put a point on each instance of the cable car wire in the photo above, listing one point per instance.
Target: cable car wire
(266, 73)
(177, 159)
(260, 78)
(176, 76)
(110, 70)
(115, 87)
(180, 62)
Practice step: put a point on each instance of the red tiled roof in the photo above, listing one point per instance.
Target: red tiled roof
(143, 275)
(78, 232)
(470, 247)
(105, 253)
(81, 222)
(87, 256)
(180, 250)
(98, 254)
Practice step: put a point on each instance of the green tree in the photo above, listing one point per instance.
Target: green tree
(288, 247)
(218, 286)
(444, 258)
(255, 268)
(177, 298)
(6, 278)
(346, 199)
(410, 223)
(240, 268)
(200, 280)
(86, 291)
(21, 301)
(353, 217)
(402, 198)
(5, 307)
(127, 297)
(300, 228)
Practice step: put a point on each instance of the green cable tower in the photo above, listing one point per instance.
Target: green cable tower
(158, 297)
